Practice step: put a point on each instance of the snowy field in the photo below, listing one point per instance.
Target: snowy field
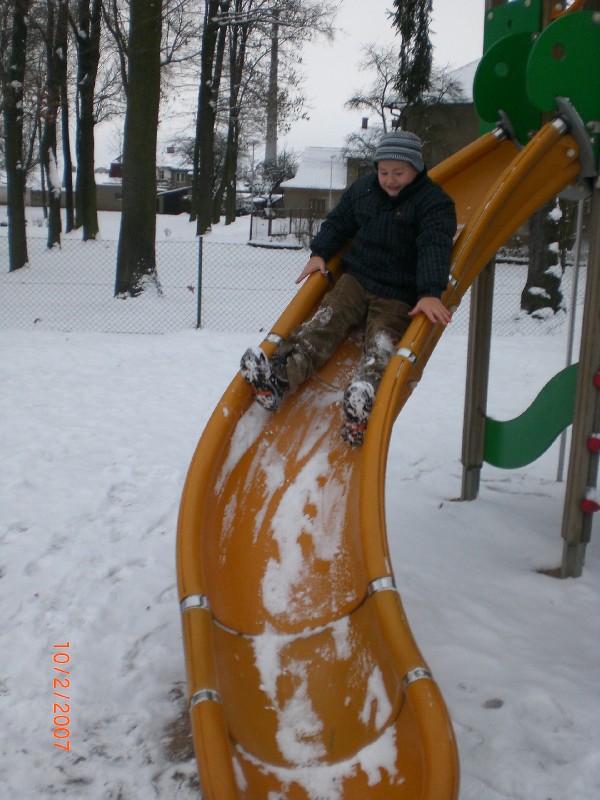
(98, 430)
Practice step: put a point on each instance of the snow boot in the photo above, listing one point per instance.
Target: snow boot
(357, 404)
(268, 387)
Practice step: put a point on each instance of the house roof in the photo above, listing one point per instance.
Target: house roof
(465, 76)
(168, 157)
(320, 168)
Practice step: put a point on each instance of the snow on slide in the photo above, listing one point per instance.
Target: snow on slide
(305, 682)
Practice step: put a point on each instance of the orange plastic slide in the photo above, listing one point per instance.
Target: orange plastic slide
(305, 682)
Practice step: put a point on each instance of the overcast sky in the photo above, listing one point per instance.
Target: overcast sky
(332, 68)
(332, 74)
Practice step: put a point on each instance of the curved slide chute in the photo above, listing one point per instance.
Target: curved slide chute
(305, 682)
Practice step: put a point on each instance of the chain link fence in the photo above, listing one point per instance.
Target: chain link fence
(296, 227)
(219, 286)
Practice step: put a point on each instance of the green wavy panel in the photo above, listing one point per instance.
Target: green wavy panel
(519, 441)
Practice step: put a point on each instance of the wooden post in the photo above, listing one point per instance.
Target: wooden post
(476, 390)
(478, 365)
(583, 463)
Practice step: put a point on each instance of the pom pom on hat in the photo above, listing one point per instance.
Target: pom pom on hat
(400, 146)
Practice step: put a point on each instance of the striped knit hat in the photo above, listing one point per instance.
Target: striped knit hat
(400, 146)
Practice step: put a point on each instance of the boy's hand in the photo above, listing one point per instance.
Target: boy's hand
(314, 264)
(434, 310)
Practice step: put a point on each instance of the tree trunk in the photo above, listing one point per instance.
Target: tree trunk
(48, 155)
(67, 162)
(136, 258)
(542, 288)
(204, 149)
(62, 25)
(87, 33)
(13, 132)
(227, 188)
(230, 178)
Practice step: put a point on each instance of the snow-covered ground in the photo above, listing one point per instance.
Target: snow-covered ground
(97, 433)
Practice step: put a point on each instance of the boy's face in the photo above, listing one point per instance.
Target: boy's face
(395, 175)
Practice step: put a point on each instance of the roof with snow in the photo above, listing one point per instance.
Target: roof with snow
(173, 158)
(465, 76)
(320, 168)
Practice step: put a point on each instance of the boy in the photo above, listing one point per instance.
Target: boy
(402, 225)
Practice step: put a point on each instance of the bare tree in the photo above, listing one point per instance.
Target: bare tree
(62, 47)
(136, 258)
(116, 20)
(213, 50)
(265, 37)
(269, 175)
(292, 23)
(381, 100)
(237, 39)
(380, 94)
(56, 26)
(14, 42)
(179, 38)
(87, 29)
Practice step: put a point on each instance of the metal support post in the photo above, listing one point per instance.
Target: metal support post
(476, 390)
(583, 462)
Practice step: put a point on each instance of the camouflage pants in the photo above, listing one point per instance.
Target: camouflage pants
(313, 343)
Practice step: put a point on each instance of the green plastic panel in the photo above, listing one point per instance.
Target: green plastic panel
(500, 84)
(520, 441)
(565, 62)
(519, 16)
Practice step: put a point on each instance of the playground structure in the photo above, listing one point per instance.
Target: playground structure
(537, 54)
(304, 678)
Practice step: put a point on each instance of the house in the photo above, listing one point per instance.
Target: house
(445, 128)
(173, 184)
(325, 172)
(319, 183)
(171, 171)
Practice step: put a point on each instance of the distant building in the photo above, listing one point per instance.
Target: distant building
(325, 172)
(173, 183)
(115, 170)
(446, 128)
(171, 171)
(322, 177)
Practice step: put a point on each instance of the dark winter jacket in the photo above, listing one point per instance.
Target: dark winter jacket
(401, 245)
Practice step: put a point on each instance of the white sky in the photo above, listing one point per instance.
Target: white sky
(332, 73)
(332, 68)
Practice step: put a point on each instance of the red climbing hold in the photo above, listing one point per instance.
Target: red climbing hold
(593, 443)
(589, 506)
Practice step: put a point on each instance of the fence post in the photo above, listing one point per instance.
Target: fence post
(199, 303)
